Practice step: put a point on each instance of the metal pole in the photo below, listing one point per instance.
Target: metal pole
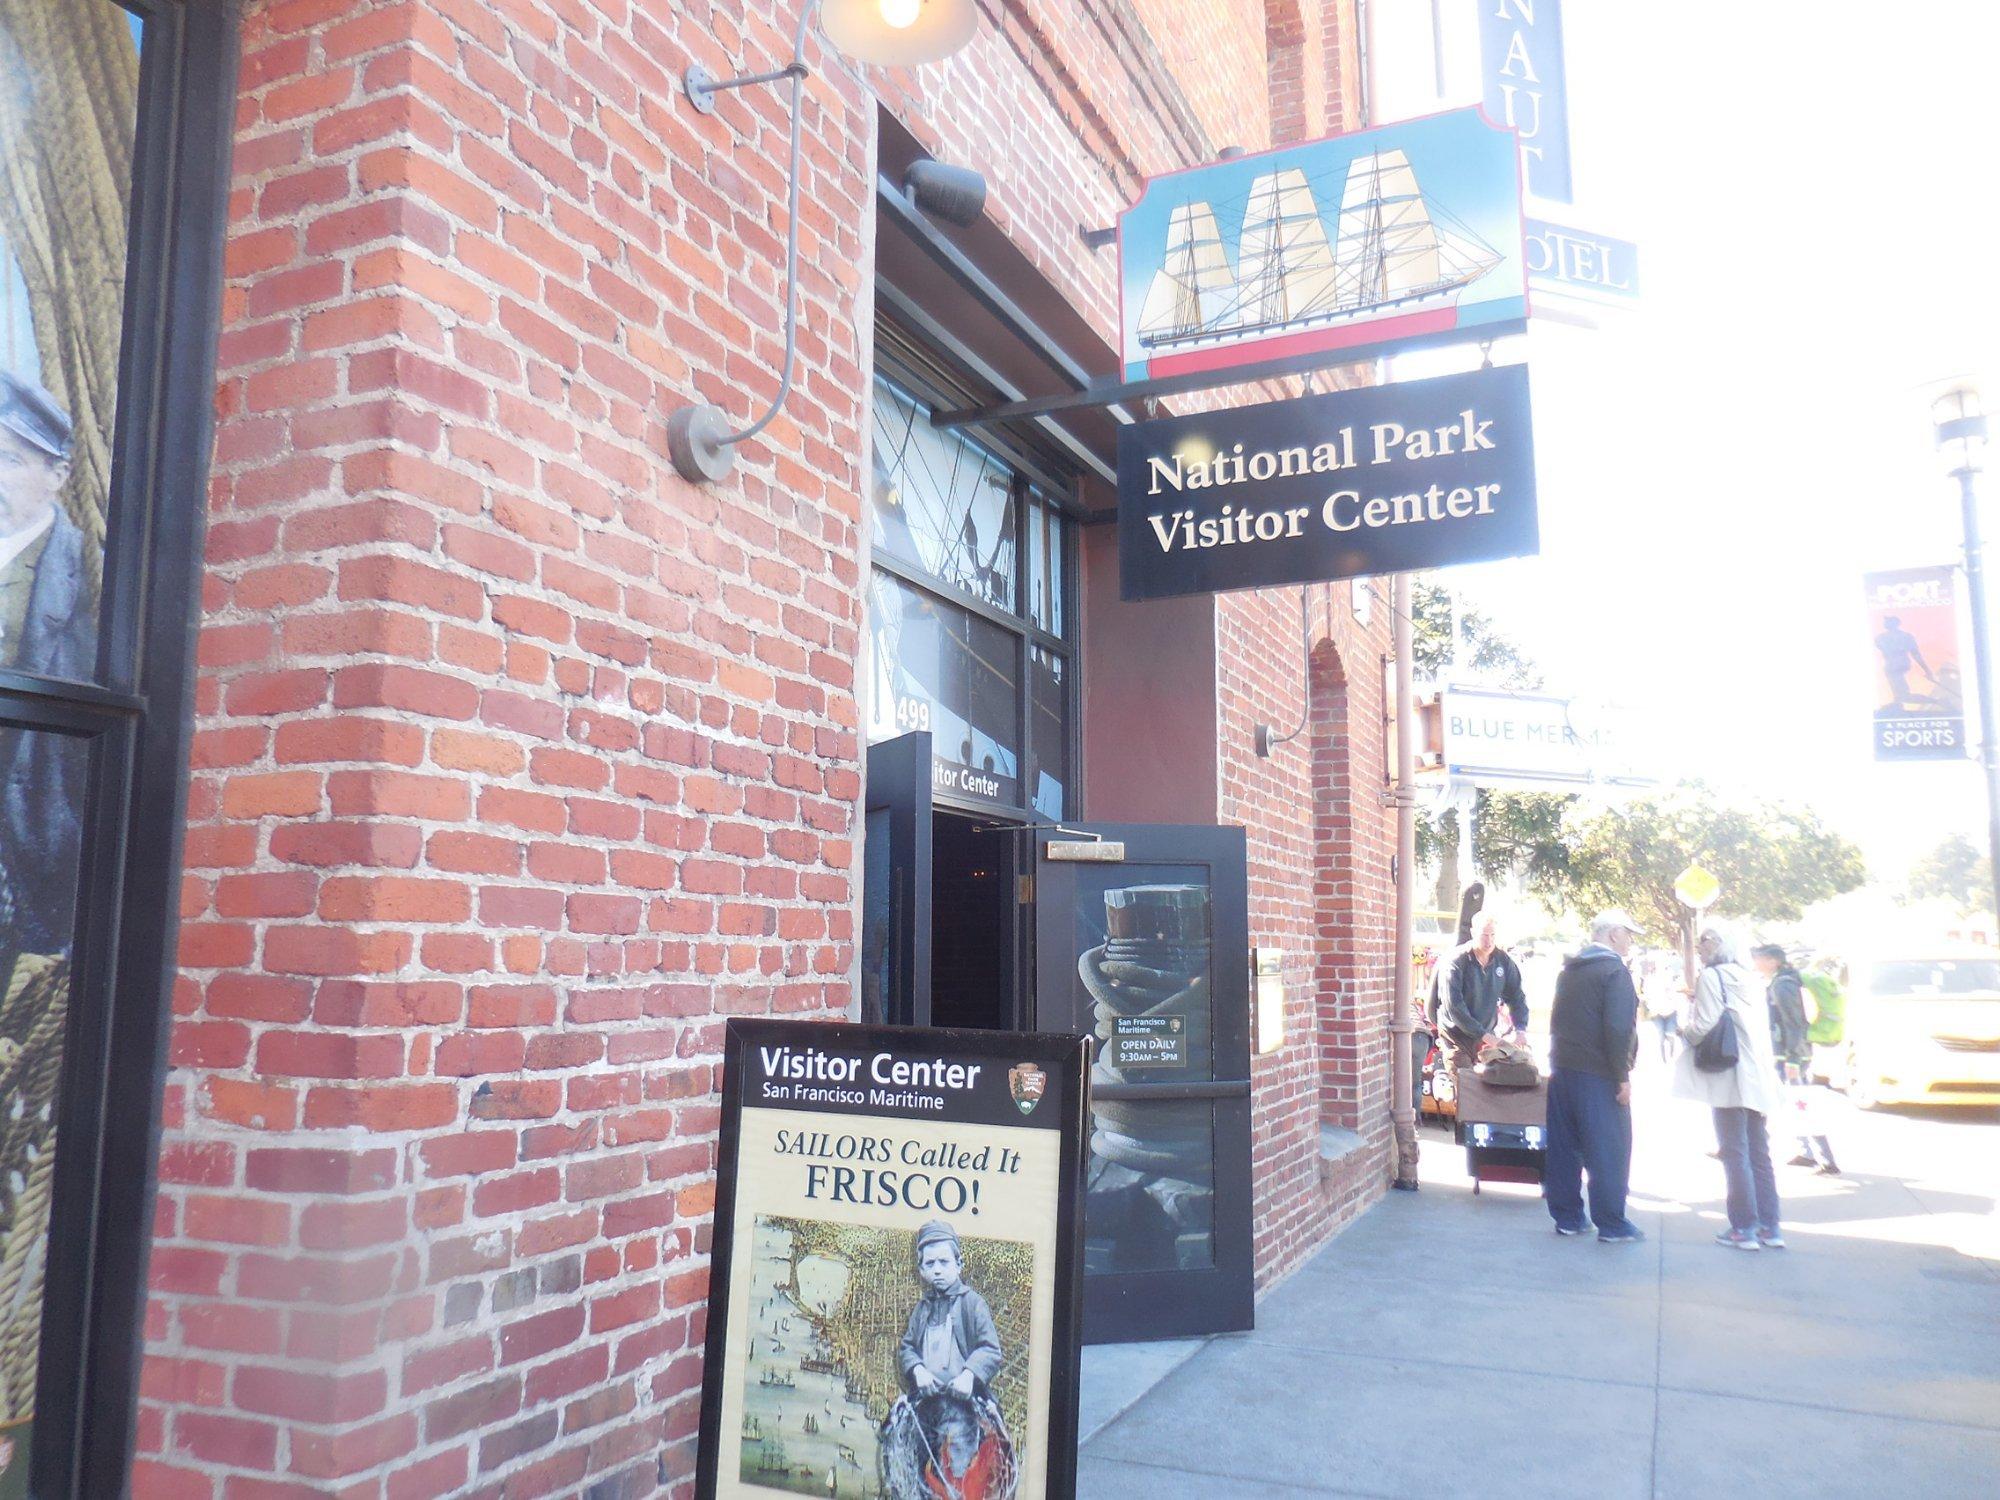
(1982, 666)
(1402, 1026)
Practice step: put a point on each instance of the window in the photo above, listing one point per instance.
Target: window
(963, 642)
(111, 214)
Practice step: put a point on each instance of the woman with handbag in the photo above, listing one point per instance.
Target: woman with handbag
(1727, 1064)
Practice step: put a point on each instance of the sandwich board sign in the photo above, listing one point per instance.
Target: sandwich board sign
(895, 1299)
(1372, 241)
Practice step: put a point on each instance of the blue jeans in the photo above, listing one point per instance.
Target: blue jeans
(1745, 1145)
(1590, 1132)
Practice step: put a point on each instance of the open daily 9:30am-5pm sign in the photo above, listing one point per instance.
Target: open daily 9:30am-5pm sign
(1380, 479)
(894, 1305)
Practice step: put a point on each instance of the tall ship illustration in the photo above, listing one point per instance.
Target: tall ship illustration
(772, 1458)
(1394, 262)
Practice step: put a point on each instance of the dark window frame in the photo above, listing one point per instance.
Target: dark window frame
(934, 385)
(138, 719)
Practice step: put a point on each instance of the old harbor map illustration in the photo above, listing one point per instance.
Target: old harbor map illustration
(828, 1305)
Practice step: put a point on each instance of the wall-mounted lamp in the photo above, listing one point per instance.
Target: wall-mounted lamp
(894, 33)
(955, 194)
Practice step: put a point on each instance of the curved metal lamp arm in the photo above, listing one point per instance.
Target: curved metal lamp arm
(699, 438)
(1267, 737)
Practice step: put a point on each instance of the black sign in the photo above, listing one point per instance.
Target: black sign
(895, 1263)
(1148, 1042)
(1383, 479)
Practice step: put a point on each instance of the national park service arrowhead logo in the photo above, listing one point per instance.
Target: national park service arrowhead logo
(1028, 1083)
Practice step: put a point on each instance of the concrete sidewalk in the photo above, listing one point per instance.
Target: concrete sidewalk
(1453, 1346)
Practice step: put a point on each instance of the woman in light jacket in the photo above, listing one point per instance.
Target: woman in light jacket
(1743, 1097)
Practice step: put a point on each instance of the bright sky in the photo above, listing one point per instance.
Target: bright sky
(1812, 194)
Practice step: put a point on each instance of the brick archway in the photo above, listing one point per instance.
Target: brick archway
(1338, 977)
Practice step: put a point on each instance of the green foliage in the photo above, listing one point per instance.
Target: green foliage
(1773, 861)
(1520, 836)
(1518, 833)
(1480, 651)
(1955, 871)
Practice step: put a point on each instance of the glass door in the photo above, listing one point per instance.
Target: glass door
(1142, 942)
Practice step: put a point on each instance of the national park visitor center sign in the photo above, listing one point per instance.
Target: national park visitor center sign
(1382, 479)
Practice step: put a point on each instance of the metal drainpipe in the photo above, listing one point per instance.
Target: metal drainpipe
(1402, 1025)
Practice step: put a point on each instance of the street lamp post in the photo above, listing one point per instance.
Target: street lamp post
(1961, 438)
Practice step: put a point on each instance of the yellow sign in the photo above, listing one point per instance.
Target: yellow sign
(1697, 887)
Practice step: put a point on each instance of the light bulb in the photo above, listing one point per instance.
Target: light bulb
(900, 14)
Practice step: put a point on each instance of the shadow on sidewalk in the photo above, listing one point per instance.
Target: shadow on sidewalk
(1860, 1362)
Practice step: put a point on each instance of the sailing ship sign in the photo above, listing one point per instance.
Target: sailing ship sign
(1382, 239)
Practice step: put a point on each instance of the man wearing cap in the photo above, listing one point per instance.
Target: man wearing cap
(48, 627)
(1593, 1042)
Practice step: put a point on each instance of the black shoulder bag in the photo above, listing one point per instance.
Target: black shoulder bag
(1716, 1052)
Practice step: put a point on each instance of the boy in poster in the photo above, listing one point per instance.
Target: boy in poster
(950, 1346)
(951, 1341)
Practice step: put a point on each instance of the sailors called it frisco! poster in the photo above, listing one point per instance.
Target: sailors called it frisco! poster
(893, 1309)
(1404, 235)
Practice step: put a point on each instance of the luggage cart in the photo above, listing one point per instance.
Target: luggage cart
(1504, 1131)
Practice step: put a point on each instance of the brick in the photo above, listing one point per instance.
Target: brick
(472, 1151)
(289, 1170)
(303, 1397)
(469, 1410)
(541, 1334)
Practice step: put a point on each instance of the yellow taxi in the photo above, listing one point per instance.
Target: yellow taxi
(1924, 1029)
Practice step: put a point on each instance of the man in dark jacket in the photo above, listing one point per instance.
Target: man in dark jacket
(1476, 980)
(1791, 1043)
(1593, 1040)
(48, 627)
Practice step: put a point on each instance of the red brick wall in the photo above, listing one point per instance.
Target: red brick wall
(520, 763)
(1338, 979)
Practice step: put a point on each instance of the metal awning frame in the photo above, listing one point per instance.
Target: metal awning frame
(1108, 391)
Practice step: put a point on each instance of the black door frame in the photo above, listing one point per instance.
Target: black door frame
(138, 724)
(899, 783)
(1221, 1298)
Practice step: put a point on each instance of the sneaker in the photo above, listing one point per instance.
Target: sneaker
(1738, 1239)
(1772, 1241)
(1631, 1234)
(1801, 1160)
(1567, 1232)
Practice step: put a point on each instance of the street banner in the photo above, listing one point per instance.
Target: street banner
(1521, 73)
(894, 1300)
(1373, 241)
(1536, 742)
(1379, 479)
(1919, 686)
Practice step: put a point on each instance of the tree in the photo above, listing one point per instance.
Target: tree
(1773, 861)
(1957, 872)
(1477, 646)
(1518, 834)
